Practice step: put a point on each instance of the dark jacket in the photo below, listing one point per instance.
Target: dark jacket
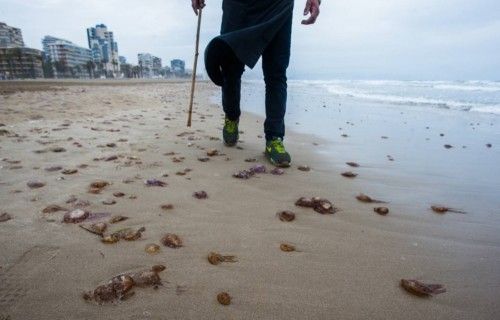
(249, 25)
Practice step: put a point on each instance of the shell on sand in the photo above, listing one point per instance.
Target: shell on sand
(304, 168)
(75, 216)
(286, 216)
(224, 298)
(421, 289)
(352, 164)
(172, 241)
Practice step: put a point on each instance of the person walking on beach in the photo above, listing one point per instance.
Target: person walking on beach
(251, 29)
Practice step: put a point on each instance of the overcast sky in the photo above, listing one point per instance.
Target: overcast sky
(353, 39)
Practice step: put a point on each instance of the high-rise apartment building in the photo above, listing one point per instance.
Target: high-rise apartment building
(149, 65)
(178, 67)
(10, 37)
(66, 59)
(104, 49)
(17, 61)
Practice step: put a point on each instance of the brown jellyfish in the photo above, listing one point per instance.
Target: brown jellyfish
(172, 241)
(381, 210)
(116, 219)
(152, 248)
(305, 202)
(442, 209)
(155, 183)
(5, 217)
(287, 247)
(286, 216)
(97, 186)
(118, 288)
(75, 216)
(69, 171)
(167, 206)
(422, 289)
(352, 164)
(53, 208)
(349, 174)
(109, 239)
(148, 278)
(364, 198)
(96, 228)
(35, 184)
(323, 206)
(133, 235)
(200, 194)
(224, 298)
(304, 168)
(216, 258)
(212, 152)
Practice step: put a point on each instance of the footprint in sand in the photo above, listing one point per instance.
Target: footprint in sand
(14, 279)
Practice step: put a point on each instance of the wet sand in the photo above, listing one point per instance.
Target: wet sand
(347, 266)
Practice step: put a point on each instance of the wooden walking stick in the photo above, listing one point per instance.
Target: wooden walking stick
(193, 80)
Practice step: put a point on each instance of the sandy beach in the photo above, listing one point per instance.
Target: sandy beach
(348, 265)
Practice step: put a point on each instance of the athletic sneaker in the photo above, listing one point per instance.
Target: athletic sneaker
(230, 132)
(276, 153)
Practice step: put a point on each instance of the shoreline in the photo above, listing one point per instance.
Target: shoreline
(349, 264)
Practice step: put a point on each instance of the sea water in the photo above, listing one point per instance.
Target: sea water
(410, 121)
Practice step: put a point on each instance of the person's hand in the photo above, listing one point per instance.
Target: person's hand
(312, 7)
(197, 5)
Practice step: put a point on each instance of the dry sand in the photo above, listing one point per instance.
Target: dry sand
(348, 265)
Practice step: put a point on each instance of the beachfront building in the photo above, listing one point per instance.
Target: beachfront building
(17, 61)
(66, 59)
(149, 65)
(104, 50)
(178, 67)
(122, 60)
(10, 37)
(20, 63)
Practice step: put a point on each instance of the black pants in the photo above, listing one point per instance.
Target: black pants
(275, 60)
